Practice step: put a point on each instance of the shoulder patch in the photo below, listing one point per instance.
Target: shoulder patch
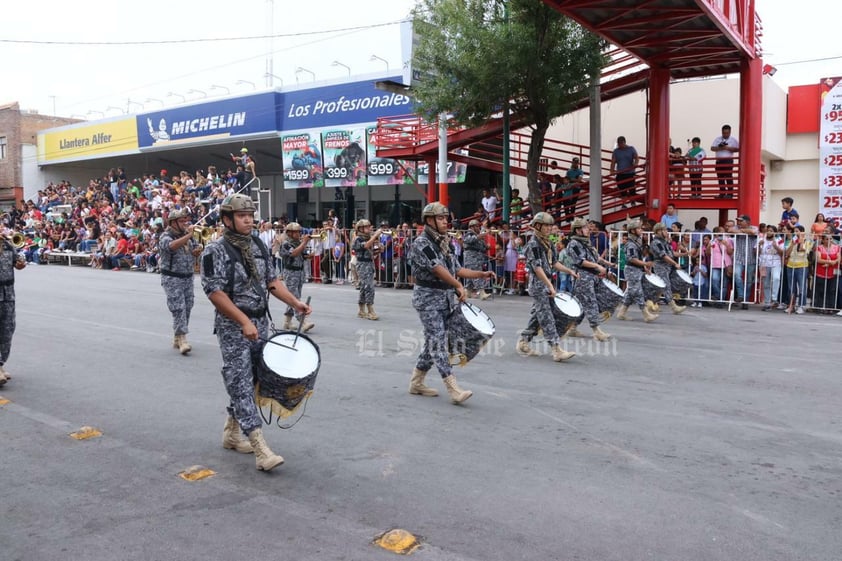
(207, 263)
(429, 253)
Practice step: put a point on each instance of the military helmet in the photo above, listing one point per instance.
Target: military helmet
(473, 223)
(659, 226)
(578, 223)
(435, 209)
(362, 223)
(633, 224)
(542, 218)
(293, 227)
(237, 203)
(177, 214)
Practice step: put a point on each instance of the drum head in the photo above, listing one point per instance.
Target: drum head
(655, 280)
(684, 275)
(288, 362)
(612, 286)
(478, 319)
(567, 304)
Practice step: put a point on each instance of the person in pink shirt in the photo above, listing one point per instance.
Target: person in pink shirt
(719, 254)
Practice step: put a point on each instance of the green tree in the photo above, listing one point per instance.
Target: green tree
(475, 58)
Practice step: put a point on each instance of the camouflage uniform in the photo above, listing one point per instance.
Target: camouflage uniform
(633, 273)
(365, 270)
(541, 313)
(293, 268)
(434, 300)
(584, 288)
(239, 355)
(659, 247)
(475, 252)
(177, 279)
(8, 256)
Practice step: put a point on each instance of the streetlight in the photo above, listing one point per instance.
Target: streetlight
(129, 104)
(238, 82)
(345, 66)
(383, 60)
(191, 90)
(110, 107)
(148, 99)
(300, 69)
(275, 76)
(173, 94)
(216, 87)
(95, 111)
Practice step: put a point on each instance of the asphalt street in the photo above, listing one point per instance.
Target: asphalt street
(708, 436)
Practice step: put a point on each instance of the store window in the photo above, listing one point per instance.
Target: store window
(2, 147)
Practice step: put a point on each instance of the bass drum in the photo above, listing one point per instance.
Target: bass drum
(653, 287)
(680, 282)
(608, 296)
(468, 330)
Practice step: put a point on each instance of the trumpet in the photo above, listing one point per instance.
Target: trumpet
(202, 235)
(17, 239)
(455, 234)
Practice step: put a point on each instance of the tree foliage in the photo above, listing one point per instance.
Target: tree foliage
(474, 60)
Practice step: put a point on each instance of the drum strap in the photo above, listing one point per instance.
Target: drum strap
(236, 257)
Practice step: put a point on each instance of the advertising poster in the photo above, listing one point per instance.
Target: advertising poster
(386, 171)
(830, 150)
(84, 141)
(455, 172)
(302, 157)
(344, 158)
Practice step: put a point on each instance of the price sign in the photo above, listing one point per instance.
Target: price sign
(830, 149)
(382, 167)
(833, 138)
(832, 202)
(833, 180)
(296, 174)
(833, 160)
(833, 116)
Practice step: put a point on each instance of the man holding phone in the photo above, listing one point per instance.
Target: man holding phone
(725, 146)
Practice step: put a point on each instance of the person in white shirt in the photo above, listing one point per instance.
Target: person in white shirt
(725, 146)
(489, 203)
(770, 252)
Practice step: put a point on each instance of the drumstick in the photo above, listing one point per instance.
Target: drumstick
(271, 342)
(300, 323)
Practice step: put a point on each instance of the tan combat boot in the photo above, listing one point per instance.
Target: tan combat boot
(651, 306)
(288, 323)
(676, 309)
(362, 313)
(176, 341)
(233, 439)
(183, 346)
(573, 331)
(606, 315)
(483, 295)
(371, 314)
(524, 349)
(457, 394)
(648, 316)
(264, 458)
(417, 386)
(621, 312)
(600, 335)
(4, 376)
(307, 326)
(560, 355)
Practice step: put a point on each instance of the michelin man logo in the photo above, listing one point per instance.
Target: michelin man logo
(160, 135)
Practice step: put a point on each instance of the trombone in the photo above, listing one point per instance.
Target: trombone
(455, 234)
(202, 235)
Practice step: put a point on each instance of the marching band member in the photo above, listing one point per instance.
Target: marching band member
(661, 251)
(542, 258)
(476, 255)
(588, 265)
(364, 249)
(237, 277)
(292, 255)
(436, 270)
(10, 259)
(634, 270)
(177, 251)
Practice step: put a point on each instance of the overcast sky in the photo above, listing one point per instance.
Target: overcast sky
(101, 79)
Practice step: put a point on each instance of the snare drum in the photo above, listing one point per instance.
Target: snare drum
(653, 287)
(286, 373)
(608, 296)
(567, 311)
(680, 281)
(468, 330)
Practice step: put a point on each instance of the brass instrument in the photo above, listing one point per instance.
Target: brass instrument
(387, 232)
(455, 234)
(202, 235)
(17, 239)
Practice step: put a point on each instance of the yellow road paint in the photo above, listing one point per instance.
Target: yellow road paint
(195, 473)
(3, 400)
(86, 432)
(398, 541)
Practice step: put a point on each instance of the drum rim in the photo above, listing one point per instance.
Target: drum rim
(573, 299)
(684, 275)
(481, 311)
(300, 336)
(657, 276)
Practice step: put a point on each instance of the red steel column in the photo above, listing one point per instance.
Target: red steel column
(751, 128)
(657, 163)
(444, 195)
(431, 181)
